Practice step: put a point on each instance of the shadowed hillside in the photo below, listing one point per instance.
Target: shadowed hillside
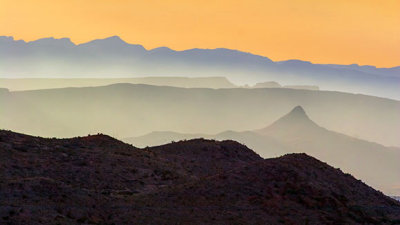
(100, 180)
(292, 189)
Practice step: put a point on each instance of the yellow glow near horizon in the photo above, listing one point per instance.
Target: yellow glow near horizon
(329, 31)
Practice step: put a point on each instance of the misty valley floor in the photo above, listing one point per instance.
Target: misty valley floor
(100, 180)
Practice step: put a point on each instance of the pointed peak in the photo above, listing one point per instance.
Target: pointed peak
(108, 41)
(296, 119)
(297, 113)
(298, 110)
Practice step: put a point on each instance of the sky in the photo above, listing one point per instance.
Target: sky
(366, 32)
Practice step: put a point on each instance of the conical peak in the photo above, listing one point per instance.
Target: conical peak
(298, 110)
(295, 121)
(297, 115)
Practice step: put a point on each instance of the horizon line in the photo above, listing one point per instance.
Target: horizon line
(195, 48)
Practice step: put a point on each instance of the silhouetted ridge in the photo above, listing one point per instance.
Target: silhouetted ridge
(207, 157)
(27, 142)
(53, 42)
(295, 188)
(114, 57)
(99, 180)
(113, 40)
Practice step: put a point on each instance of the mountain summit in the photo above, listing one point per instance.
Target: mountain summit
(299, 133)
(295, 121)
(297, 113)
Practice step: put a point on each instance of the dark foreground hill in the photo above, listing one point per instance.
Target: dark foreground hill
(100, 180)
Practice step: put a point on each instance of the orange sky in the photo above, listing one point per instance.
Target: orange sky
(321, 31)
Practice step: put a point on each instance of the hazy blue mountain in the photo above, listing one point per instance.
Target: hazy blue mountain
(112, 57)
(127, 110)
(296, 132)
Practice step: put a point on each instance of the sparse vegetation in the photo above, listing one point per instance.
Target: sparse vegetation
(105, 181)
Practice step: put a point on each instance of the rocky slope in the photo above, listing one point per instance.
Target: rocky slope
(292, 189)
(100, 180)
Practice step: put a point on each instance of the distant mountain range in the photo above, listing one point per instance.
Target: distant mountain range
(50, 83)
(112, 57)
(127, 110)
(99, 180)
(23, 84)
(295, 132)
